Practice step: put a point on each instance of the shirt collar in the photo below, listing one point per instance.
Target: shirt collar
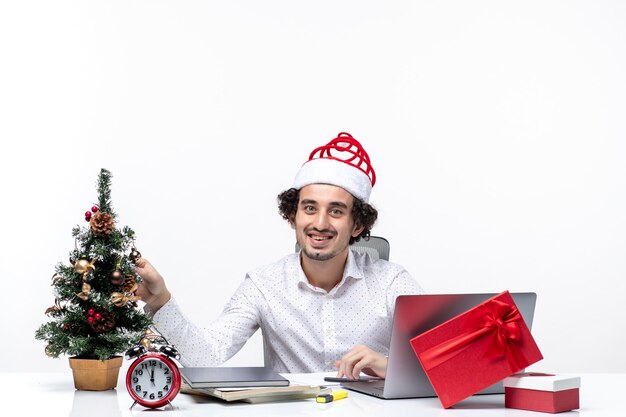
(352, 270)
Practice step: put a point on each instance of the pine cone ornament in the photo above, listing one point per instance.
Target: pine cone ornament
(101, 224)
(120, 299)
(130, 285)
(104, 324)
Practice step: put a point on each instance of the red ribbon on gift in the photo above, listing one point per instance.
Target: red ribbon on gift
(494, 319)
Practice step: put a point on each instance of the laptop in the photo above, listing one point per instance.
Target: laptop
(415, 314)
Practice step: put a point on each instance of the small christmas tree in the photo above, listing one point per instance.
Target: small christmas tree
(95, 314)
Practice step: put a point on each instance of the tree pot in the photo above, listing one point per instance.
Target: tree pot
(94, 374)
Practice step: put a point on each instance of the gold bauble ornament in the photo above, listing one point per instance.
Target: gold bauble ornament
(135, 255)
(48, 350)
(83, 265)
(147, 343)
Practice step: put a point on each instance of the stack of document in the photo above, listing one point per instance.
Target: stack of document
(249, 384)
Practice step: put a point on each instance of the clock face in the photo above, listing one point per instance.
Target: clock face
(153, 380)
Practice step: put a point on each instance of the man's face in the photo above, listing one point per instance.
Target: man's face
(324, 222)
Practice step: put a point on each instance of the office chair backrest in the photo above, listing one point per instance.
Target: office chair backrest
(376, 246)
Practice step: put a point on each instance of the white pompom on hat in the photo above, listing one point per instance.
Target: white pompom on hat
(342, 162)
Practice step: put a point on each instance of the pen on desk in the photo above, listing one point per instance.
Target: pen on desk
(333, 396)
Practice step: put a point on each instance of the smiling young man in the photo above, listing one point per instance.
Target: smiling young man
(324, 308)
(324, 227)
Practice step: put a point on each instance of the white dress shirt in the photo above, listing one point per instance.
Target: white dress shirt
(305, 328)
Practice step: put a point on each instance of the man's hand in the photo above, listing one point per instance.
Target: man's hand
(361, 359)
(152, 289)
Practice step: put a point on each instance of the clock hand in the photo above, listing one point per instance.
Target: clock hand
(152, 377)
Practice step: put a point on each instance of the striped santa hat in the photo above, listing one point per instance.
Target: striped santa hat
(342, 162)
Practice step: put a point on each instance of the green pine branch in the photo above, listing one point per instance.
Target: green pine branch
(104, 192)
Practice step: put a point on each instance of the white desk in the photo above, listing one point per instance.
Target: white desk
(53, 394)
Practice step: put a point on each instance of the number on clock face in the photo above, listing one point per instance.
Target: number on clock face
(152, 380)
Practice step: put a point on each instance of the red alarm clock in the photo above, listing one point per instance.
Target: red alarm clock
(153, 379)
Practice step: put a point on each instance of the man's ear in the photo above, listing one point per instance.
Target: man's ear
(357, 230)
(292, 222)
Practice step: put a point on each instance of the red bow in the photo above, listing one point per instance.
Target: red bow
(494, 319)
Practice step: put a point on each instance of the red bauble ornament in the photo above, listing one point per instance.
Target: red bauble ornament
(95, 209)
(87, 214)
(66, 327)
(90, 319)
(97, 316)
(91, 311)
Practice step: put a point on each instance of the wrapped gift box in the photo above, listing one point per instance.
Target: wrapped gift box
(476, 349)
(542, 392)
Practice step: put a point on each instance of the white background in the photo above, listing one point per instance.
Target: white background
(496, 128)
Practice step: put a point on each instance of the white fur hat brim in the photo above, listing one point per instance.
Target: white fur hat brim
(335, 172)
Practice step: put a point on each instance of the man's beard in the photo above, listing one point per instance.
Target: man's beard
(317, 256)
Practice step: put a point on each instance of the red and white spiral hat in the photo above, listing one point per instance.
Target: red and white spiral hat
(342, 162)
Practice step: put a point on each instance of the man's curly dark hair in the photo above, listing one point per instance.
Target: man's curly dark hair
(364, 214)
